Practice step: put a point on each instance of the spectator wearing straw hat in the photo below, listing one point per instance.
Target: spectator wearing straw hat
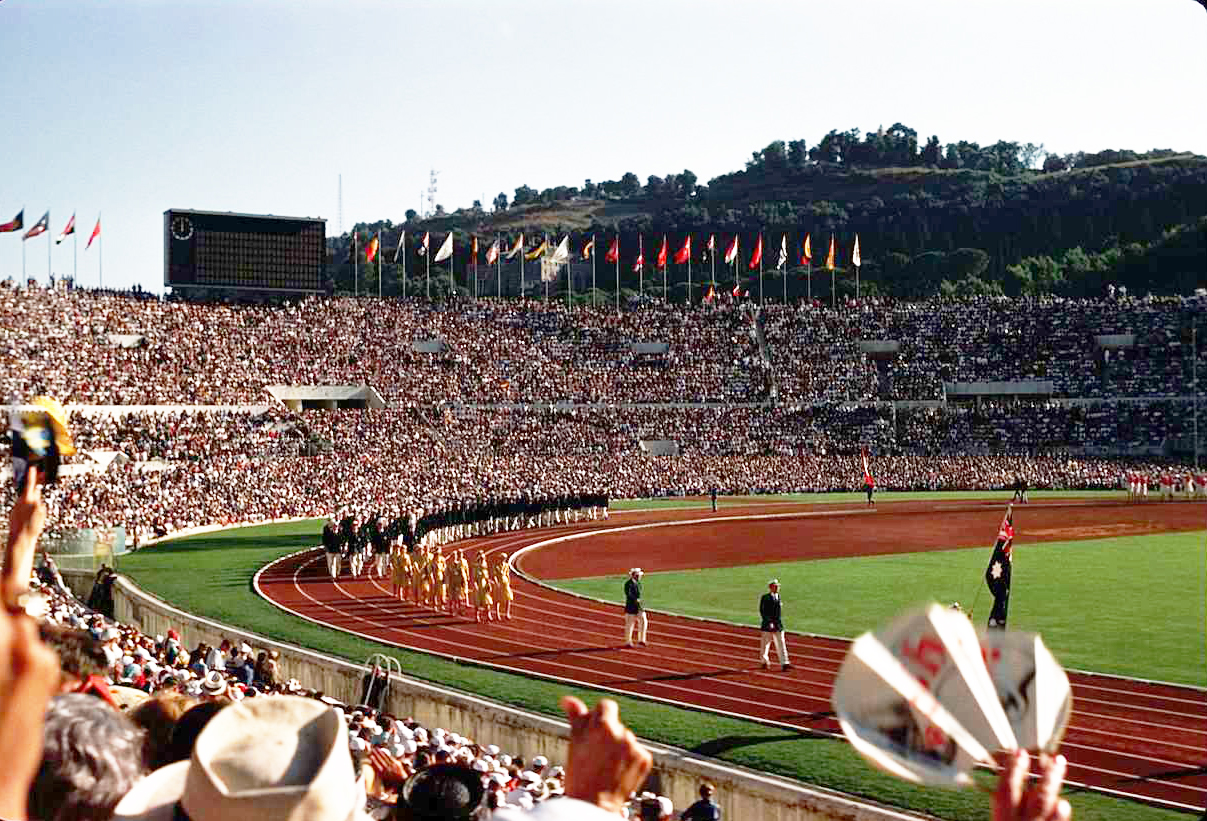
(635, 620)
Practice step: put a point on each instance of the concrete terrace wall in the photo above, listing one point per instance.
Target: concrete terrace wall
(742, 793)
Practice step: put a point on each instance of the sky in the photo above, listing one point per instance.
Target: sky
(126, 108)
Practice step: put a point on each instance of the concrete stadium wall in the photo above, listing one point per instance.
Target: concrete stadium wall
(677, 773)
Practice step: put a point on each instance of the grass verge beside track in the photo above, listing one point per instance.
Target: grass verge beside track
(210, 575)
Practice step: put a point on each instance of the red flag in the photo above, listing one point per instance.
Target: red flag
(757, 257)
(40, 227)
(867, 476)
(613, 251)
(731, 253)
(712, 242)
(684, 253)
(640, 263)
(806, 254)
(662, 253)
(492, 253)
(15, 224)
(710, 296)
(737, 290)
(96, 232)
(371, 250)
(830, 255)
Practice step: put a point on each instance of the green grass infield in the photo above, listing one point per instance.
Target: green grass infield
(210, 575)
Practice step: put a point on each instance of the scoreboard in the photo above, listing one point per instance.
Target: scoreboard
(242, 252)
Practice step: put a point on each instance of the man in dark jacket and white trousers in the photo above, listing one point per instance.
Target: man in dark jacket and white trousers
(635, 621)
(331, 544)
(772, 628)
(997, 574)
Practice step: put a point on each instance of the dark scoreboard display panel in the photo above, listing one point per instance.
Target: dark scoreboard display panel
(208, 249)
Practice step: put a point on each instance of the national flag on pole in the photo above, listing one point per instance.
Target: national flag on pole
(589, 248)
(867, 475)
(40, 227)
(855, 253)
(685, 252)
(806, 254)
(402, 241)
(15, 224)
(96, 232)
(613, 253)
(516, 248)
(783, 260)
(830, 255)
(731, 253)
(446, 249)
(425, 244)
(710, 248)
(473, 249)
(553, 263)
(371, 250)
(492, 253)
(537, 251)
(737, 290)
(710, 296)
(662, 253)
(640, 263)
(68, 231)
(757, 256)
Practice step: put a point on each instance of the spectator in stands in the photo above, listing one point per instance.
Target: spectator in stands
(91, 756)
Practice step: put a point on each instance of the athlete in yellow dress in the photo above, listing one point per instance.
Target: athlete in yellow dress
(500, 573)
(456, 585)
(482, 599)
(440, 581)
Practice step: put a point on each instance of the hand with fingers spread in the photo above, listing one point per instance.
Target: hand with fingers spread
(390, 771)
(606, 763)
(1014, 800)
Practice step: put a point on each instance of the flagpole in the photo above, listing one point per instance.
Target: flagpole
(784, 274)
(427, 266)
(690, 250)
(523, 253)
(498, 269)
(712, 258)
(809, 280)
(75, 249)
(379, 256)
(641, 267)
(666, 297)
(569, 281)
(403, 245)
(594, 292)
(617, 272)
(100, 254)
(474, 252)
(48, 249)
(355, 267)
(24, 278)
(545, 243)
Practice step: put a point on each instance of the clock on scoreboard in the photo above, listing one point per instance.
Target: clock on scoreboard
(242, 252)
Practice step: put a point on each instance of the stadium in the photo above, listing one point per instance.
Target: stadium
(213, 440)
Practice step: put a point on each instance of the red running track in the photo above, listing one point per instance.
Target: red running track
(1140, 740)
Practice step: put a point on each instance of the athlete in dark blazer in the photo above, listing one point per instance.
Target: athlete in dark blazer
(771, 611)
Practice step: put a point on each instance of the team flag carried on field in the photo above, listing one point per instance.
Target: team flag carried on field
(731, 253)
(806, 254)
(424, 244)
(492, 253)
(830, 255)
(783, 260)
(685, 253)
(371, 250)
(537, 251)
(867, 475)
(516, 248)
(402, 241)
(96, 232)
(589, 248)
(68, 231)
(613, 253)
(997, 574)
(15, 224)
(757, 257)
(855, 253)
(662, 253)
(40, 227)
(446, 249)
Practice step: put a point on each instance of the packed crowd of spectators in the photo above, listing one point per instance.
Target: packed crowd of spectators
(94, 347)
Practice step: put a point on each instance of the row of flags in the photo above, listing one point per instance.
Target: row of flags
(43, 225)
(683, 256)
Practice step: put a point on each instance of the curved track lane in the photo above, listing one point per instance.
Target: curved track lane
(1135, 739)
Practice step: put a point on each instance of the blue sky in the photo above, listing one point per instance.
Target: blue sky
(131, 107)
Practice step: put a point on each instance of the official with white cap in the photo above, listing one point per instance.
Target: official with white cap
(772, 627)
